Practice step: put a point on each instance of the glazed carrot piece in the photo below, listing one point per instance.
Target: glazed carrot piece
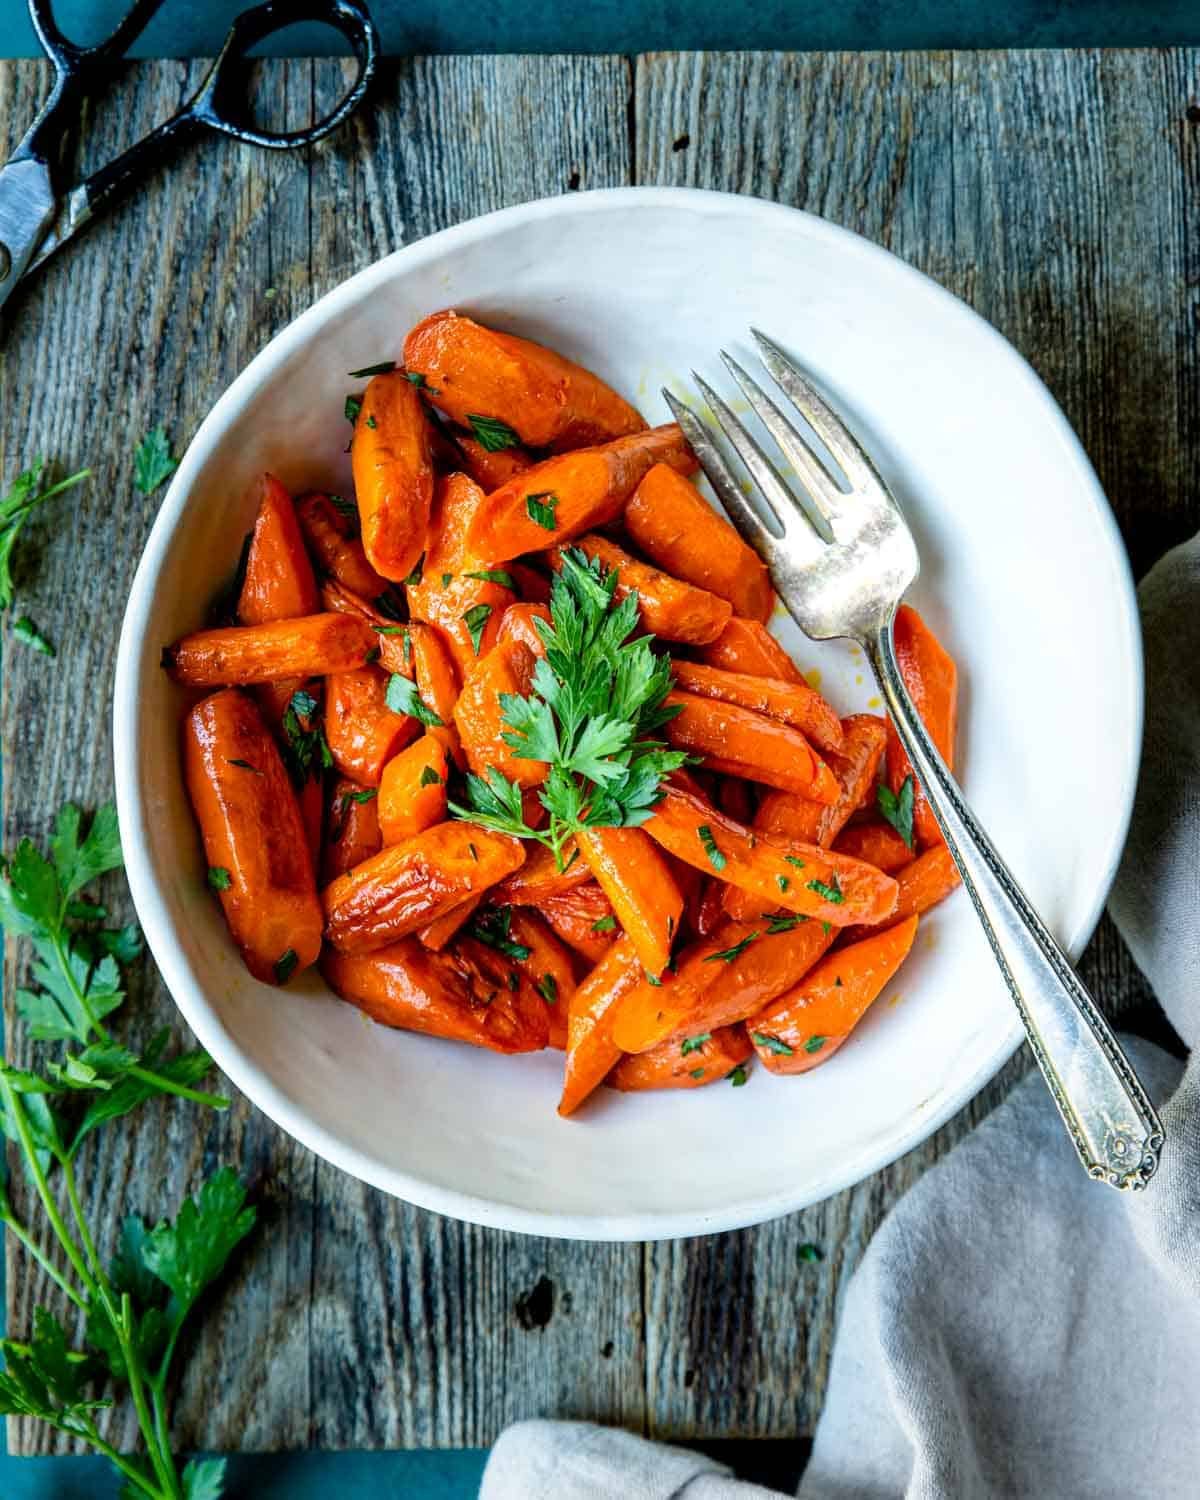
(450, 995)
(740, 742)
(490, 469)
(591, 1051)
(922, 884)
(748, 647)
(561, 497)
(931, 678)
(736, 797)
(507, 668)
(709, 911)
(801, 877)
(362, 731)
(434, 671)
(548, 401)
(393, 474)
(583, 917)
(412, 789)
(411, 884)
(238, 655)
(459, 594)
(805, 1026)
(547, 966)
(532, 584)
(793, 703)
(438, 933)
(331, 529)
(391, 638)
(670, 521)
(672, 610)
(665, 1067)
(721, 980)
(519, 623)
(279, 582)
(541, 876)
(351, 828)
(633, 873)
(878, 843)
(254, 840)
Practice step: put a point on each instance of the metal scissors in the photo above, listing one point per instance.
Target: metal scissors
(37, 218)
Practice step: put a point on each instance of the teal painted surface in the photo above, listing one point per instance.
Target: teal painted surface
(194, 27)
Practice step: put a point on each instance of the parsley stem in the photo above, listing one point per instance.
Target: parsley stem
(169, 1086)
(88, 1430)
(22, 1235)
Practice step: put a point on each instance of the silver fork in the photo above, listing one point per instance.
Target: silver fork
(841, 558)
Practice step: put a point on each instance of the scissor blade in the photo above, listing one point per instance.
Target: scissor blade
(27, 209)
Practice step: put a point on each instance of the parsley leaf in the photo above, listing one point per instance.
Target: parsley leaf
(809, 1252)
(540, 509)
(547, 988)
(832, 892)
(715, 857)
(494, 575)
(897, 808)
(784, 922)
(384, 367)
(815, 1043)
(771, 1043)
(305, 750)
(190, 1254)
(694, 1043)
(605, 924)
(25, 631)
(29, 490)
(492, 927)
(285, 965)
(729, 954)
(492, 433)
(429, 777)
(204, 1479)
(153, 461)
(414, 578)
(402, 698)
(739, 1076)
(475, 620)
(417, 379)
(351, 408)
(218, 878)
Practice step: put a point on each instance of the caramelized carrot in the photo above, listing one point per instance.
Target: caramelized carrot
(922, 884)
(541, 875)
(795, 875)
(459, 594)
(351, 828)
(438, 933)
(393, 474)
(411, 884)
(395, 654)
(532, 584)
(931, 678)
(254, 840)
(740, 742)
(519, 623)
(878, 843)
(546, 964)
(747, 646)
(362, 731)
(560, 497)
(591, 1051)
(665, 1066)
(805, 1026)
(507, 668)
(279, 582)
(412, 789)
(238, 655)
(487, 467)
(673, 610)
(583, 917)
(670, 521)
(331, 529)
(548, 401)
(450, 995)
(793, 703)
(633, 873)
(434, 671)
(710, 909)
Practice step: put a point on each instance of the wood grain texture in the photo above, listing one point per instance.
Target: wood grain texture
(1059, 193)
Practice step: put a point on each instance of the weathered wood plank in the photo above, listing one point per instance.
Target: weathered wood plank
(1058, 193)
(357, 1320)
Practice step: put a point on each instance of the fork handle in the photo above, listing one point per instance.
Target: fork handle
(1106, 1110)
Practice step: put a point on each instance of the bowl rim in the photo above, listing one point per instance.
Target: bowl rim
(197, 1011)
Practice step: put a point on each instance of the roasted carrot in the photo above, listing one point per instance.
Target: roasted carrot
(561, 497)
(541, 875)
(438, 933)
(412, 789)
(405, 887)
(450, 995)
(461, 595)
(721, 980)
(583, 917)
(331, 529)
(519, 623)
(254, 840)
(633, 873)
(740, 742)
(878, 843)
(921, 885)
(709, 911)
(591, 1051)
(931, 678)
(474, 373)
(793, 703)
(279, 582)
(533, 584)
(507, 668)
(546, 963)
(801, 877)
(670, 521)
(362, 731)
(238, 655)
(805, 1026)
(393, 474)
(665, 1067)
(488, 467)
(748, 647)
(434, 672)
(351, 828)
(669, 608)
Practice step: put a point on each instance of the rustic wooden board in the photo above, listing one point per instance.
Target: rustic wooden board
(1058, 192)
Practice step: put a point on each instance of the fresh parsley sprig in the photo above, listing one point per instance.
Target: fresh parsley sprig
(596, 702)
(30, 489)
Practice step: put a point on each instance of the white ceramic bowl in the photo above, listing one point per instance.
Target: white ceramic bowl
(1024, 577)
